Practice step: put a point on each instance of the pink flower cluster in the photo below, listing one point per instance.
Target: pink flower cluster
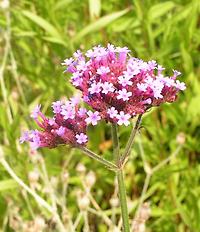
(118, 86)
(114, 84)
(68, 126)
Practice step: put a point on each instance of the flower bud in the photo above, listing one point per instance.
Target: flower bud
(39, 223)
(65, 176)
(33, 177)
(180, 138)
(145, 211)
(90, 179)
(114, 201)
(4, 4)
(83, 201)
(80, 168)
(114, 229)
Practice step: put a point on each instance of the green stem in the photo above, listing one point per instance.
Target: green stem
(123, 202)
(130, 141)
(120, 179)
(115, 143)
(105, 162)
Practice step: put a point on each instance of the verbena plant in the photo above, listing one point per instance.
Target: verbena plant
(116, 87)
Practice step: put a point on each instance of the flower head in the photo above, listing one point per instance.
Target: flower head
(113, 81)
(68, 121)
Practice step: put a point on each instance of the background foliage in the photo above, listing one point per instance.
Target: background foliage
(36, 36)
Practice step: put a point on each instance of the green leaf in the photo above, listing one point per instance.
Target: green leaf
(7, 184)
(193, 111)
(48, 27)
(61, 4)
(160, 9)
(102, 22)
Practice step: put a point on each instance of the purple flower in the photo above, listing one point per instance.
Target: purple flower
(123, 118)
(148, 101)
(75, 100)
(125, 80)
(57, 107)
(68, 111)
(78, 54)
(81, 138)
(107, 87)
(25, 137)
(35, 139)
(152, 64)
(124, 49)
(35, 113)
(60, 131)
(95, 88)
(82, 112)
(90, 53)
(180, 85)
(76, 79)
(157, 87)
(103, 70)
(51, 121)
(142, 87)
(112, 112)
(111, 48)
(68, 62)
(93, 118)
(81, 66)
(160, 69)
(176, 73)
(124, 95)
(99, 51)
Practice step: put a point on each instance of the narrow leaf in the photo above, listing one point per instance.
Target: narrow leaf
(160, 9)
(102, 22)
(7, 184)
(48, 27)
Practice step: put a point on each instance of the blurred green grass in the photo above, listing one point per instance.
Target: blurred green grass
(43, 33)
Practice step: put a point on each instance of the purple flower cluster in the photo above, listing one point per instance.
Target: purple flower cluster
(68, 126)
(118, 86)
(114, 84)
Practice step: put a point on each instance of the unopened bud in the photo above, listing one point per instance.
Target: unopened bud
(33, 177)
(114, 202)
(114, 229)
(15, 94)
(65, 176)
(80, 168)
(83, 201)
(145, 211)
(90, 179)
(4, 4)
(180, 138)
(39, 223)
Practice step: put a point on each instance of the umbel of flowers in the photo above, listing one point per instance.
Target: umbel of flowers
(68, 126)
(118, 86)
